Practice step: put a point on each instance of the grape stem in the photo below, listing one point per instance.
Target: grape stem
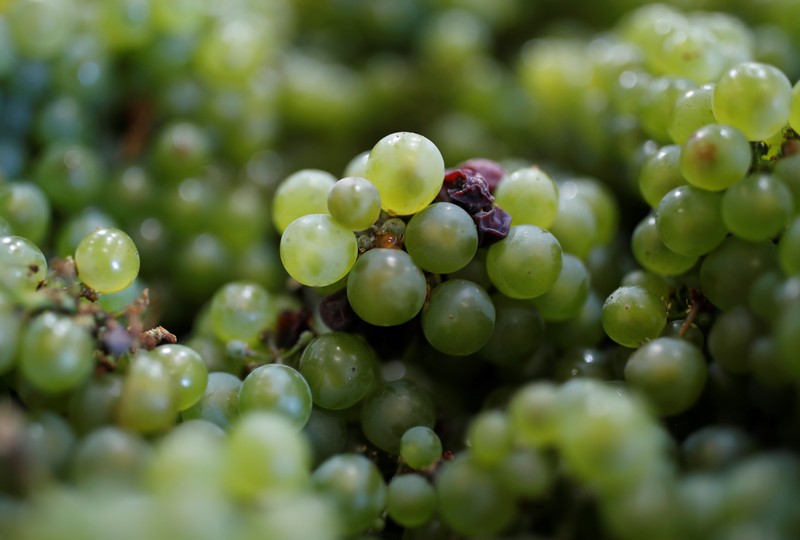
(695, 305)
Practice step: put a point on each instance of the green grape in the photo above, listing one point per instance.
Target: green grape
(393, 409)
(471, 500)
(647, 509)
(316, 250)
(661, 173)
(579, 362)
(354, 202)
(459, 317)
(55, 353)
(42, 29)
(530, 196)
(585, 329)
(715, 448)
(755, 98)
(518, 331)
(71, 176)
(420, 447)
(441, 238)
(568, 294)
(187, 369)
(794, 116)
(357, 166)
(265, 454)
(302, 193)
(385, 287)
(603, 204)
(728, 272)
(26, 209)
(299, 516)
(715, 157)
(526, 473)
(526, 263)
(533, 411)
(242, 311)
(326, 432)
(147, 402)
(575, 225)
(22, 264)
(653, 282)
(408, 171)
(689, 221)
(670, 372)
(119, 301)
(633, 315)
(690, 112)
(110, 456)
(789, 249)
(107, 260)
(657, 102)
(355, 486)
(786, 333)
(490, 438)
(181, 151)
(339, 369)
(50, 441)
(410, 500)
(92, 405)
(788, 170)
(219, 403)
(650, 252)
(758, 207)
(10, 326)
(279, 389)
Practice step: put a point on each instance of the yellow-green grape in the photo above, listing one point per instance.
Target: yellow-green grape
(530, 196)
(316, 250)
(526, 263)
(633, 315)
(22, 263)
(241, 311)
(442, 238)
(758, 207)
(715, 157)
(354, 202)
(408, 171)
(107, 260)
(690, 112)
(299, 194)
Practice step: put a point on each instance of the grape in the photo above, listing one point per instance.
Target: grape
(147, 402)
(385, 287)
(326, 431)
(219, 403)
(568, 294)
(789, 249)
(459, 318)
(70, 175)
(241, 311)
(794, 116)
(757, 208)
(690, 112)
(755, 98)
(656, 103)
(728, 272)
(26, 209)
(188, 372)
(110, 455)
(526, 473)
(518, 331)
(393, 409)
(317, 251)
(490, 438)
(22, 264)
(354, 202)
(650, 252)
(410, 500)
(633, 315)
(441, 238)
(579, 362)
(715, 157)
(660, 174)
(302, 193)
(107, 260)
(10, 326)
(526, 263)
(357, 166)
(670, 372)
(603, 204)
(689, 221)
(530, 196)
(339, 369)
(93, 405)
(575, 225)
(715, 448)
(420, 447)
(407, 169)
(279, 389)
(533, 411)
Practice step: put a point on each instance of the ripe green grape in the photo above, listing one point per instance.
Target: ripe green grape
(656, 104)
(728, 272)
(316, 250)
(420, 447)
(527, 473)
(385, 287)
(110, 456)
(408, 171)
(530, 196)
(459, 318)
(569, 292)
(575, 226)
(442, 238)
(490, 438)
(302, 193)
(670, 372)
(534, 415)
(187, 369)
(279, 389)
(526, 263)
(410, 500)
(219, 403)
(55, 353)
(22, 264)
(650, 252)
(715, 157)
(731, 336)
(241, 311)
(794, 116)
(10, 325)
(339, 369)
(107, 260)
(753, 97)
(660, 174)
(392, 410)
(26, 209)
(147, 402)
(327, 433)
(789, 249)
(354, 202)
(758, 207)
(518, 331)
(71, 176)
(690, 112)
(633, 315)
(603, 203)
(689, 221)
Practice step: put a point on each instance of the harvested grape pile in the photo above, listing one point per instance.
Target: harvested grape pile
(411, 270)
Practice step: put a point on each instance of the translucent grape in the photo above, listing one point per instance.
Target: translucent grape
(731, 336)
(526, 263)
(755, 98)
(689, 221)
(241, 311)
(603, 203)
(633, 315)
(187, 369)
(420, 447)
(219, 403)
(518, 331)
(530, 196)
(526, 472)
(794, 116)
(660, 174)
(490, 438)
(408, 171)
(385, 287)
(354, 202)
(459, 318)
(569, 292)
(656, 103)
(728, 272)
(758, 207)
(302, 193)
(533, 410)
(650, 252)
(316, 250)
(392, 410)
(147, 402)
(442, 238)
(410, 500)
(789, 249)
(327, 432)
(278, 389)
(715, 157)
(22, 264)
(71, 176)
(110, 455)
(690, 112)
(575, 226)
(107, 260)
(26, 209)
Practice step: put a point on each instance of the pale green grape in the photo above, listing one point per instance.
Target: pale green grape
(794, 116)
(459, 317)
(71, 175)
(731, 336)
(147, 402)
(490, 438)
(690, 112)
(715, 157)
(119, 301)
(22, 264)
(107, 260)
(530, 196)
(652, 281)
(660, 173)
(110, 455)
(241, 311)
(575, 226)
(755, 98)
(354, 202)
(650, 252)
(633, 315)
(316, 250)
(526, 263)
(299, 194)
(408, 171)
(441, 238)
(93, 405)
(392, 410)
(603, 204)
(385, 287)
(357, 166)
(569, 292)
(187, 369)
(527, 473)
(689, 221)
(219, 403)
(278, 389)
(518, 331)
(656, 103)
(534, 415)
(789, 249)
(420, 447)
(758, 207)
(410, 500)
(26, 209)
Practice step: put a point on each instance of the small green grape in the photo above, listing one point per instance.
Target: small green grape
(107, 260)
